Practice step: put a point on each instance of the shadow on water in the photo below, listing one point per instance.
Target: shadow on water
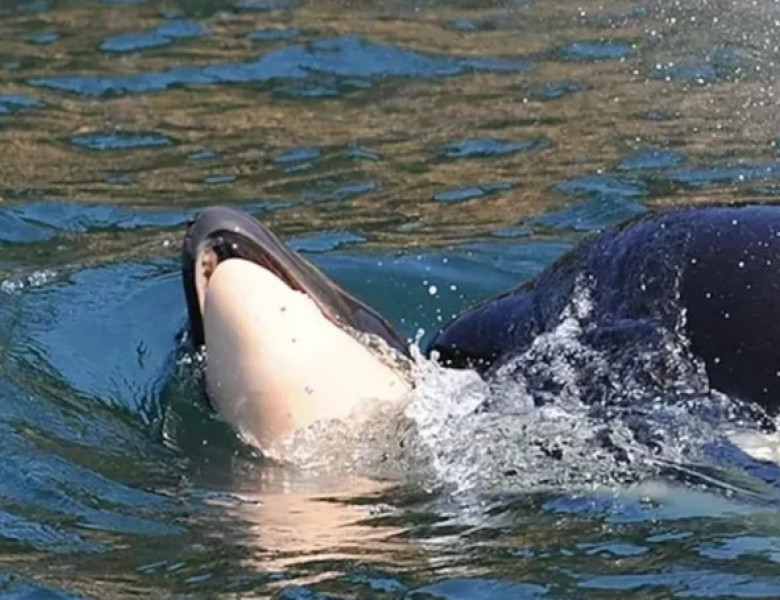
(425, 155)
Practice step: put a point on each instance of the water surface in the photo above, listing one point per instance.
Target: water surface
(425, 155)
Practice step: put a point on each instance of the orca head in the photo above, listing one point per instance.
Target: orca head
(285, 345)
(220, 233)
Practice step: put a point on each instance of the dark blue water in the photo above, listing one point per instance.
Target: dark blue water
(425, 155)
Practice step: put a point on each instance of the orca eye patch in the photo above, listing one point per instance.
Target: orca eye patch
(228, 245)
(208, 262)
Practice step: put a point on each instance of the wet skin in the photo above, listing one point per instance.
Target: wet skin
(285, 346)
(219, 233)
(710, 273)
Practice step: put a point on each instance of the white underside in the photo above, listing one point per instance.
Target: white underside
(275, 363)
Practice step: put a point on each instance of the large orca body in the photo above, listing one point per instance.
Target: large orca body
(710, 274)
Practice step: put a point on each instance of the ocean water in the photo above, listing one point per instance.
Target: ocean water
(425, 155)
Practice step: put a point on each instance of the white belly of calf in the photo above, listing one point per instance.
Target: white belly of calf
(275, 363)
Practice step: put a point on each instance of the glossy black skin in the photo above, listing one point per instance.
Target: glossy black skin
(714, 271)
(231, 233)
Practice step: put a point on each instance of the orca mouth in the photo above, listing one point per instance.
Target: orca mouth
(224, 245)
(220, 233)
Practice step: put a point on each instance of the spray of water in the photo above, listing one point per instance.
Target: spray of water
(566, 413)
(35, 279)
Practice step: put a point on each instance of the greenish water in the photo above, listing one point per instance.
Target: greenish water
(425, 155)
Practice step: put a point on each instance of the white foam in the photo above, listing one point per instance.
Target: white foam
(757, 445)
(35, 279)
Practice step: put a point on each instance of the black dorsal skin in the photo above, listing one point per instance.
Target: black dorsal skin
(712, 271)
(231, 233)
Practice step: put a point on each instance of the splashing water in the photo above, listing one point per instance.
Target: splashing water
(563, 414)
(33, 280)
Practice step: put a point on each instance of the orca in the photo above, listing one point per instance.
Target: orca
(709, 274)
(285, 346)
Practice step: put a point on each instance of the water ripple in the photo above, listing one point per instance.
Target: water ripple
(43, 38)
(471, 25)
(689, 583)
(38, 221)
(203, 155)
(486, 147)
(594, 214)
(43, 537)
(264, 5)
(13, 103)
(347, 57)
(325, 241)
(219, 179)
(766, 547)
(120, 140)
(489, 589)
(470, 192)
(115, 365)
(46, 482)
(555, 90)
(164, 35)
(603, 186)
(13, 588)
(274, 35)
(651, 158)
(296, 158)
(700, 176)
(595, 50)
